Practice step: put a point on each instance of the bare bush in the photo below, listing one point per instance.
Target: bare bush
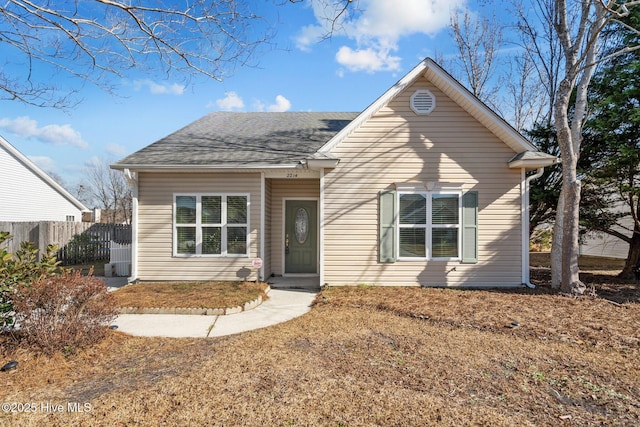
(64, 312)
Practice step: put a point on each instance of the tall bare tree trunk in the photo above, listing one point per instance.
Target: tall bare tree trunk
(570, 277)
(579, 41)
(556, 245)
(570, 230)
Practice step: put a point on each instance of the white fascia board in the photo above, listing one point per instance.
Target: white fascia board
(270, 171)
(532, 163)
(322, 163)
(41, 174)
(203, 168)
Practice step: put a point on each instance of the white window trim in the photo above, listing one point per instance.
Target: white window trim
(198, 226)
(429, 226)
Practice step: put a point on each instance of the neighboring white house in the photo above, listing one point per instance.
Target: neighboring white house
(606, 245)
(27, 193)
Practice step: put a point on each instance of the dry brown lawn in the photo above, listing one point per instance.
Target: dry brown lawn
(365, 356)
(189, 294)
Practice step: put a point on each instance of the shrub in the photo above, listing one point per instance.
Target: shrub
(63, 312)
(540, 240)
(22, 268)
(86, 247)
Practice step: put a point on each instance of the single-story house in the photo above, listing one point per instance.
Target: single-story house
(425, 187)
(30, 194)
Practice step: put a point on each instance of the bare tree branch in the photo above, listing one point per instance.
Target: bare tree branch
(535, 26)
(478, 41)
(109, 190)
(525, 94)
(102, 39)
(337, 12)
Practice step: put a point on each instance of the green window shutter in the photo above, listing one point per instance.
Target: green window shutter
(387, 217)
(470, 227)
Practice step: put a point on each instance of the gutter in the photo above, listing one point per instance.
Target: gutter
(234, 167)
(526, 280)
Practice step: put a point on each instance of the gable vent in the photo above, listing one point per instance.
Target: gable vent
(423, 101)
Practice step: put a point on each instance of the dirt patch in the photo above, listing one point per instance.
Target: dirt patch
(189, 294)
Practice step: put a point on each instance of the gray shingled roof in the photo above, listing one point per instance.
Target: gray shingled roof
(532, 155)
(242, 139)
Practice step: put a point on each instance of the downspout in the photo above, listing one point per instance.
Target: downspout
(321, 226)
(263, 204)
(526, 279)
(133, 181)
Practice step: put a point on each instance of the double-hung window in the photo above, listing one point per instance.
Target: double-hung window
(429, 225)
(211, 224)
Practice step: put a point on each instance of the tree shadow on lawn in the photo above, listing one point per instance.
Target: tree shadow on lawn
(604, 284)
(541, 313)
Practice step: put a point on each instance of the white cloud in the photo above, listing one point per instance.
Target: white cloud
(43, 162)
(93, 162)
(281, 105)
(258, 105)
(387, 20)
(376, 27)
(230, 102)
(52, 134)
(308, 36)
(159, 88)
(325, 13)
(116, 150)
(369, 60)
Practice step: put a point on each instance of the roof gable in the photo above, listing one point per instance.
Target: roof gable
(30, 166)
(454, 90)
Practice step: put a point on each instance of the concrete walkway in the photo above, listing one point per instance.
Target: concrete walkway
(282, 305)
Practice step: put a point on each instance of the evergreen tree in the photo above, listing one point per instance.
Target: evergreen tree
(612, 137)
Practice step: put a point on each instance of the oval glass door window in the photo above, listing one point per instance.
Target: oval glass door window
(302, 225)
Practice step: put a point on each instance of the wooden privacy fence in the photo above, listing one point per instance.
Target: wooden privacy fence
(78, 242)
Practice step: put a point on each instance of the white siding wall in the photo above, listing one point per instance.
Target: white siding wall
(155, 226)
(396, 145)
(26, 197)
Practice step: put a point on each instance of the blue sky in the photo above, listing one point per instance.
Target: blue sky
(296, 72)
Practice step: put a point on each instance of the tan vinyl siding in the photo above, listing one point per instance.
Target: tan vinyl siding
(155, 226)
(286, 189)
(267, 225)
(446, 146)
